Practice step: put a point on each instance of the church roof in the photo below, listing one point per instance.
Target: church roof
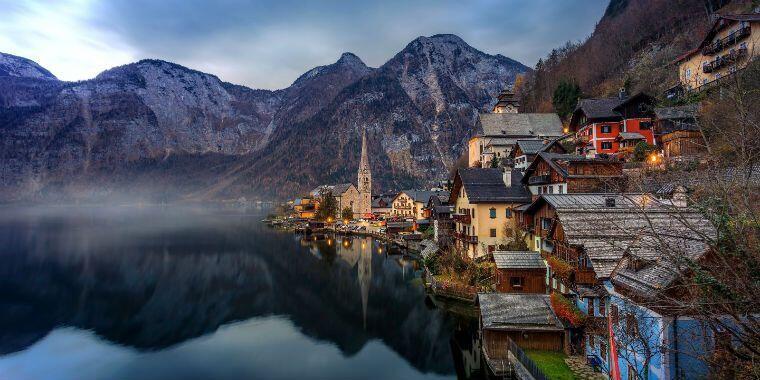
(520, 124)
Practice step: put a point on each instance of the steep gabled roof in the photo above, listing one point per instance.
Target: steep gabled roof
(531, 146)
(520, 124)
(526, 312)
(553, 159)
(599, 108)
(518, 260)
(486, 185)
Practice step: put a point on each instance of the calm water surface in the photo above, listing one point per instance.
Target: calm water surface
(194, 293)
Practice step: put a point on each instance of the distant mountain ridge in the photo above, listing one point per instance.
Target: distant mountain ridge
(157, 130)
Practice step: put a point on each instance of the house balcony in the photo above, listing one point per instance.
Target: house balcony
(462, 218)
(721, 61)
(466, 238)
(727, 41)
(539, 179)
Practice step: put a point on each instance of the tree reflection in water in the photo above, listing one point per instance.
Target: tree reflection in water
(154, 279)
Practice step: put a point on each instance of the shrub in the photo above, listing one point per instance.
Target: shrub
(566, 310)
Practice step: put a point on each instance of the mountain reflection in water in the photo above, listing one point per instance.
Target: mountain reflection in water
(183, 293)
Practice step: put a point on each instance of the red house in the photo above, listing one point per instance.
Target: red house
(613, 125)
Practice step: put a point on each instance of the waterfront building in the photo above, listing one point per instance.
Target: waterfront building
(523, 320)
(413, 203)
(483, 200)
(346, 196)
(305, 208)
(730, 45)
(520, 272)
(602, 124)
(438, 211)
(382, 205)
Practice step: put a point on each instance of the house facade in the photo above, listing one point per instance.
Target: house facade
(552, 173)
(412, 203)
(499, 133)
(730, 44)
(483, 200)
(602, 124)
(677, 131)
(526, 150)
(520, 272)
(612, 254)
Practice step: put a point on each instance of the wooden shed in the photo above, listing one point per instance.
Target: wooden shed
(520, 272)
(526, 319)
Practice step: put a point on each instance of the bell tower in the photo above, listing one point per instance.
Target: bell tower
(364, 184)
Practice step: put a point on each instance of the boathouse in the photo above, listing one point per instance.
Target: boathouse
(520, 272)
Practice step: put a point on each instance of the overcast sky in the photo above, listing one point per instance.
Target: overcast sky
(269, 43)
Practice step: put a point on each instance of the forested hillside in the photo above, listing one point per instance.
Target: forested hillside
(632, 46)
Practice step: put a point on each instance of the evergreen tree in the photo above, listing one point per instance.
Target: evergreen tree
(328, 206)
(565, 97)
(347, 214)
(495, 162)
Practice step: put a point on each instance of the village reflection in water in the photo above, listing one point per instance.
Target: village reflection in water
(140, 293)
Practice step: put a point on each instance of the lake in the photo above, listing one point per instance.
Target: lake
(202, 293)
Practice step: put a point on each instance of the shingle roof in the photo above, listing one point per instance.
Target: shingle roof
(518, 260)
(341, 188)
(487, 185)
(336, 190)
(520, 124)
(532, 146)
(429, 247)
(376, 202)
(553, 160)
(688, 111)
(606, 233)
(599, 108)
(631, 136)
(502, 311)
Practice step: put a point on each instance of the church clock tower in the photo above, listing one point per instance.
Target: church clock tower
(365, 181)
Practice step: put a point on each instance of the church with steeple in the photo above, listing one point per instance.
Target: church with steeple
(364, 183)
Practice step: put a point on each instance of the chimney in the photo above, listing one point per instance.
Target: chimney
(622, 94)
(609, 202)
(507, 176)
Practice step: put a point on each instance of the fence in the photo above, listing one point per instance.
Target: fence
(526, 362)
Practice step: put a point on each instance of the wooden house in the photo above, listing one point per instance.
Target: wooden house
(677, 132)
(526, 150)
(439, 211)
(525, 319)
(520, 272)
(552, 173)
(598, 122)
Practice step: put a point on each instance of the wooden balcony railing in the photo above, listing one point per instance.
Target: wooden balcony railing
(539, 179)
(462, 218)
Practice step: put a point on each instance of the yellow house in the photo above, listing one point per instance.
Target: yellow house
(411, 203)
(483, 200)
(305, 208)
(732, 42)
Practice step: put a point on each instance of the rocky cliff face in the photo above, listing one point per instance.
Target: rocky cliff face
(157, 129)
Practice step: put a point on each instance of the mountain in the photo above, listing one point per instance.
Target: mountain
(158, 130)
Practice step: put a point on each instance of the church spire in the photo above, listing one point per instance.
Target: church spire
(364, 163)
(364, 183)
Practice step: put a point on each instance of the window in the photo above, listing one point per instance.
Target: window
(508, 214)
(591, 340)
(606, 129)
(688, 73)
(645, 125)
(606, 145)
(603, 350)
(545, 223)
(516, 282)
(602, 308)
(492, 213)
(473, 213)
(614, 313)
(492, 233)
(559, 189)
(539, 189)
(551, 189)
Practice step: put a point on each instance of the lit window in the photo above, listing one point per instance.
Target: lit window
(606, 129)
